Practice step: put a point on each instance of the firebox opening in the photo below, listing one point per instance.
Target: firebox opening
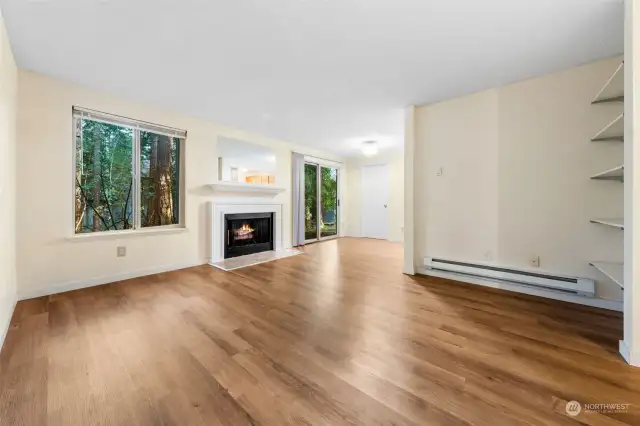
(248, 233)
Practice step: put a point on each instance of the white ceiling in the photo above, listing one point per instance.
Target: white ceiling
(324, 73)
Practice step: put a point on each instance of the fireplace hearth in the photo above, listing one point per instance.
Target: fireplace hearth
(247, 233)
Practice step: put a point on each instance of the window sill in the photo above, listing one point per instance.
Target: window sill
(126, 234)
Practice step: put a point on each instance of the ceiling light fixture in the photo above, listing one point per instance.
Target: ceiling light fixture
(369, 148)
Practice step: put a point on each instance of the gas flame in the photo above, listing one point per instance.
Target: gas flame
(244, 232)
(246, 228)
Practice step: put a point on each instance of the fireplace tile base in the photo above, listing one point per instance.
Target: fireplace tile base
(255, 259)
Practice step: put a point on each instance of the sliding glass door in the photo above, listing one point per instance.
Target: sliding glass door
(328, 202)
(310, 202)
(321, 202)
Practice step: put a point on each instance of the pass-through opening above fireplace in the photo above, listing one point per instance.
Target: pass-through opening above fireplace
(248, 233)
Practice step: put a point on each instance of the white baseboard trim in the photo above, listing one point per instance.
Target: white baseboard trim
(77, 285)
(6, 321)
(629, 356)
(611, 305)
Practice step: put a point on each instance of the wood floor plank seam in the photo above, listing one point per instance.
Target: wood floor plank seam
(336, 337)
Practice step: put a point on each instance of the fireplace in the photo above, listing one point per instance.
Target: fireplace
(247, 233)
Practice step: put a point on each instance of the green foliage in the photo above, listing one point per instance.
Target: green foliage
(329, 190)
(105, 187)
(104, 178)
(159, 179)
(310, 197)
(328, 200)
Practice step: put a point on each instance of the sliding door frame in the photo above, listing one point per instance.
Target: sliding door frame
(317, 238)
(319, 166)
(329, 237)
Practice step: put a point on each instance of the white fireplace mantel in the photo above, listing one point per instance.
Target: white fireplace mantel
(244, 189)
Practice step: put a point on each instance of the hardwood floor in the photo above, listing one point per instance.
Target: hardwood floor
(336, 336)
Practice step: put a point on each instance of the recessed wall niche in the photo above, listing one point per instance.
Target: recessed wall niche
(241, 161)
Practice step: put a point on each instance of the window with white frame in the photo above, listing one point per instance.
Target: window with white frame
(128, 173)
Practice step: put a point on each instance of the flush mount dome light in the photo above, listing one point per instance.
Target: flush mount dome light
(369, 148)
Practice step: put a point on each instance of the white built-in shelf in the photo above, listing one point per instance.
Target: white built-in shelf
(613, 89)
(615, 271)
(615, 222)
(617, 173)
(613, 131)
(246, 188)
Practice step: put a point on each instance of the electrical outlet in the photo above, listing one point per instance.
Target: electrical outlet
(122, 251)
(535, 261)
(488, 255)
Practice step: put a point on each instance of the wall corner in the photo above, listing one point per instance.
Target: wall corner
(409, 192)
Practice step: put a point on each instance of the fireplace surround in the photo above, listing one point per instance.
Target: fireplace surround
(225, 206)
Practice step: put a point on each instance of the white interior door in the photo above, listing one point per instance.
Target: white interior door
(375, 200)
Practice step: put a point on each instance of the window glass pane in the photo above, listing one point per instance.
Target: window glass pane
(329, 201)
(310, 201)
(159, 179)
(104, 178)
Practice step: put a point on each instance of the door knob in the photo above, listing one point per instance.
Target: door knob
(385, 206)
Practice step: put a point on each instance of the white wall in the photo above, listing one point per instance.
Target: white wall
(8, 90)
(459, 207)
(396, 194)
(515, 184)
(409, 246)
(48, 260)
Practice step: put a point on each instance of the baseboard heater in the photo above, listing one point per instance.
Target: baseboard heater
(563, 284)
